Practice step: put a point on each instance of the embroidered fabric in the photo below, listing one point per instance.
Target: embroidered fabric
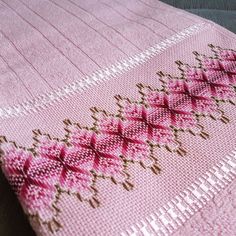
(38, 175)
(218, 217)
(49, 99)
(127, 140)
(175, 213)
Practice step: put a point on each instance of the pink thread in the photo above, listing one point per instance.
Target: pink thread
(72, 165)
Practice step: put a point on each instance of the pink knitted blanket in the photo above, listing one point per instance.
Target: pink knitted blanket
(118, 118)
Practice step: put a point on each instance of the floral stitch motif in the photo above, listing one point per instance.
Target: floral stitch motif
(101, 150)
(68, 167)
(30, 178)
(73, 165)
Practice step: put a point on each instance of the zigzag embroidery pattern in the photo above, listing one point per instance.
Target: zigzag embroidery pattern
(40, 174)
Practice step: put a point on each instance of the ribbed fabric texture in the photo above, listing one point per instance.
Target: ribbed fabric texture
(47, 44)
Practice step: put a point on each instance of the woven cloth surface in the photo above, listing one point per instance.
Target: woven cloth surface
(88, 36)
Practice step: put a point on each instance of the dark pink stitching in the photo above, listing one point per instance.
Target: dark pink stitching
(72, 165)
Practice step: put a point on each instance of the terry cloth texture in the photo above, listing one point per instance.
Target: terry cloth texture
(117, 117)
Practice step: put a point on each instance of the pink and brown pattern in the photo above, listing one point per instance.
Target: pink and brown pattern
(72, 165)
(101, 150)
(33, 180)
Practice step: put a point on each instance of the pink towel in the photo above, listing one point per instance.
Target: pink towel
(117, 117)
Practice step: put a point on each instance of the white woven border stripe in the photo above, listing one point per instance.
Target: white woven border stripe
(99, 76)
(169, 217)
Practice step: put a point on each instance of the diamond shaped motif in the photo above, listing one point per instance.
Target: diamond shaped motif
(39, 175)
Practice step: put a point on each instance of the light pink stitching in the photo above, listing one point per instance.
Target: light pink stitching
(40, 174)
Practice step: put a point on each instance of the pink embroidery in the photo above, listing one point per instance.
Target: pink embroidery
(193, 99)
(30, 178)
(99, 149)
(38, 175)
(124, 137)
(66, 166)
